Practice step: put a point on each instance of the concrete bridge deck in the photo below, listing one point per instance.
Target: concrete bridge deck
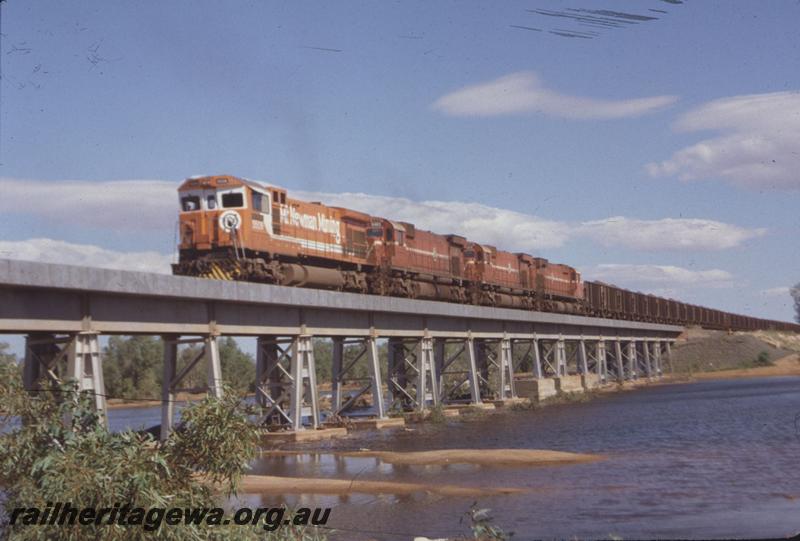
(42, 297)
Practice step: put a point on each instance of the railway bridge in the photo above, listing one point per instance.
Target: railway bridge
(436, 352)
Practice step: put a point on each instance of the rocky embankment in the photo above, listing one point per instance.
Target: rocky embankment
(701, 352)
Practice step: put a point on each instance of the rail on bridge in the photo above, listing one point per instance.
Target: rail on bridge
(436, 353)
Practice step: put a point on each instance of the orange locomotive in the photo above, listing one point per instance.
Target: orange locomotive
(240, 230)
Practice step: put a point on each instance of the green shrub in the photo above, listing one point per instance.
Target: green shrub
(43, 459)
(762, 359)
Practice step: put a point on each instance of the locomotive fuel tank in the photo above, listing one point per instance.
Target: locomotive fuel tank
(297, 275)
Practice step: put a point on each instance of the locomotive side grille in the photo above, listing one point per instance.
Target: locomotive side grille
(356, 242)
(276, 220)
(455, 266)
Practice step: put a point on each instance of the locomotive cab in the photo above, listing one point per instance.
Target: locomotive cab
(221, 212)
(383, 236)
(475, 258)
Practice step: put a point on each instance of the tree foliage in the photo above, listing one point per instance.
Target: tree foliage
(6, 358)
(795, 291)
(43, 459)
(238, 367)
(323, 359)
(133, 366)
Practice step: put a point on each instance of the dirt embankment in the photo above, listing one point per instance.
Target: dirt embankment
(705, 354)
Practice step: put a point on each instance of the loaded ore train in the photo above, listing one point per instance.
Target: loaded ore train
(235, 229)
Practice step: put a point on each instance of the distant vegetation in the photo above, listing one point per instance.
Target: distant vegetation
(133, 366)
(6, 358)
(323, 358)
(795, 291)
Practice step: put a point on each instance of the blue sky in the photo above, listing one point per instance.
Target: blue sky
(660, 156)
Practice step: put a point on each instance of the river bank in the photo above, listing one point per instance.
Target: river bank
(701, 354)
(785, 366)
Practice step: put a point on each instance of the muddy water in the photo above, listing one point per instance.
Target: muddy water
(707, 460)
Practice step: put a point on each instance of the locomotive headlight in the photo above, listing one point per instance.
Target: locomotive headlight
(230, 221)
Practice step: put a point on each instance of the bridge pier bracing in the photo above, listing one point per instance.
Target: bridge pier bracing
(590, 357)
(172, 378)
(602, 366)
(412, 379)
(286, 385)
(583, 361)
(51, 360)
(521, 356)
(633, 366)
(668, 348)
(483, 355)
(396, 376)
(657, 371)
(368, 349)
(588, 363)
(647, 365)
(639, 347)
(561, 357)
(537, 359)
(427, 384)
(494, 368)
(506, 368)
(550, 358)
(457, 368)
(657, 358)
(619, 361)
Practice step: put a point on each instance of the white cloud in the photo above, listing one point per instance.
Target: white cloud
(133, 205)
(523, 92)
(57, 251)
(116, 204)
(776, 291)
(756, 145)
(504, 228)
(517, 231)
(659, 278)
(667, 233)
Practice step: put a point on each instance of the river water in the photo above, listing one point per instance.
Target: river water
(716, 459)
